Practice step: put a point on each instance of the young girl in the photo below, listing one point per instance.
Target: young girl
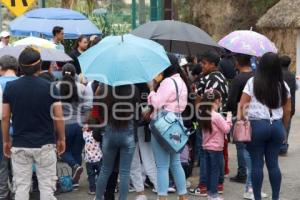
(93, 157)
(214, 129)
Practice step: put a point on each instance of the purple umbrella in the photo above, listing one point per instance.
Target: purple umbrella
(248, 42)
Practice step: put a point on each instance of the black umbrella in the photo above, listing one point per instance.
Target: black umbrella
(177, 37)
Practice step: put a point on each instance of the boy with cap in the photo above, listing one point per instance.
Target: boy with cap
(4, 37)
(35, 113)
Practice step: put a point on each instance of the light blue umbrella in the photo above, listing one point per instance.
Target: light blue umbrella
(40, 22)
(120, 60)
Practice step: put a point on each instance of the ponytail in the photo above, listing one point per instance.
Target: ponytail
(68, 86)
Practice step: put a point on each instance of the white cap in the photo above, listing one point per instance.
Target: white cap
(183, 62)
(4, 34)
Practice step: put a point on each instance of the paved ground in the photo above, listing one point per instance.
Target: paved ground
(290, 167)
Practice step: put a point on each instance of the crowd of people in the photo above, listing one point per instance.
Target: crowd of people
(52, 114)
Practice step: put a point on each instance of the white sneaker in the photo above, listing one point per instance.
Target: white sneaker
(215, 198)
(264, 195)
(171, 190)
(188, 184)
(141, 197)
(249, 195)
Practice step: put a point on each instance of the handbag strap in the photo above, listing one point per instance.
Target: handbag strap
(177, 95)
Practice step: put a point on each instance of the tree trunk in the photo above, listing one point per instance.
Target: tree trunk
(168, 10)
(142, 12)
(68, 3)
(91, 5)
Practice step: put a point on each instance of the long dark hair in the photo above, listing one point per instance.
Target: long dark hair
(205, 109)
(175, 69)
(68, 81)
(269, 87)
(80, 38)
(124, 97)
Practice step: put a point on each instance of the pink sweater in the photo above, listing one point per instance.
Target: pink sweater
(166, 95)
(214, 141)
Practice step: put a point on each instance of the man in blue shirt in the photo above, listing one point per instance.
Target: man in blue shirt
(36, 116)
(8, 70)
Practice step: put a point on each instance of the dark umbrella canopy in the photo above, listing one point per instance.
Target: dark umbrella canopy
(177, 37)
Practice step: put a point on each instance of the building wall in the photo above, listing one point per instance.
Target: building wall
(286, 43)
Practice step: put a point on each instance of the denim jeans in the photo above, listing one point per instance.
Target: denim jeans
(93, 170)
(214, 160)
(240, 150)
(202, 159)
(74, 145)
(249, 170)
(266, 141)
(114, 141)
(164, 162)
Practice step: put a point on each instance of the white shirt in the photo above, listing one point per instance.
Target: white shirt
(2, 45)
(256, 109)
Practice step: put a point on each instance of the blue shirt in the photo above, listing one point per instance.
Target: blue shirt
(31, 102)
(3, 81)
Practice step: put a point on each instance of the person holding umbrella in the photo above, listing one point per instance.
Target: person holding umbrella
(135, 60)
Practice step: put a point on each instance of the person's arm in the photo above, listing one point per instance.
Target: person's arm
(59, 127)
(242, 106)
(222, 124)
(233, 96)
(287, 108)
(158, 99)
(5, 123)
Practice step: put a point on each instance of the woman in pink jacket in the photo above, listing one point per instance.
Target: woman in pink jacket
(214, 129)
(165, 98)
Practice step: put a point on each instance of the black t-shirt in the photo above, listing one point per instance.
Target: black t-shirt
(217, 81)
(30, 102)
(236, 90)
(74, 55)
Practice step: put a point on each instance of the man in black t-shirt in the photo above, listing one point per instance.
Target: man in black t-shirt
(243, 65)
(36, 115)
(290, 79)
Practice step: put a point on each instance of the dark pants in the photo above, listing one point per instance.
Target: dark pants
(188, 169)
(74, 145)
(214, 160)
(111, 186)
(240, 149)
(266, 141)
(285, 146)
(4, 189)
(93, 170)
(202, 159)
